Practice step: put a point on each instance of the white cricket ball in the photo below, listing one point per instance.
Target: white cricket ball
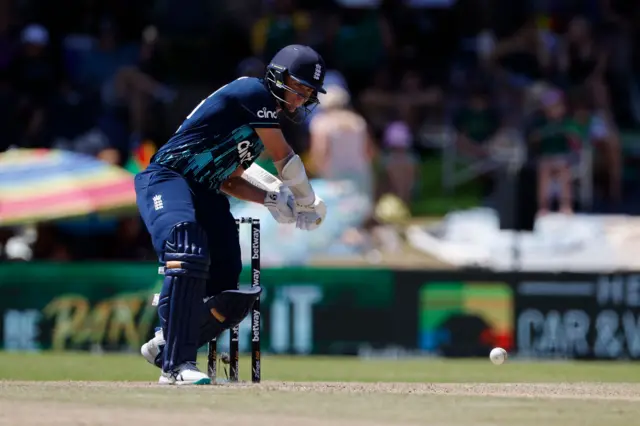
(498, 356)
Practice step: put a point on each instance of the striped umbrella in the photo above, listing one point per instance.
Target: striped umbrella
(41, 184)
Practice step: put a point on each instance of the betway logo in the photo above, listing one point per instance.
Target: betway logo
(264, 113)
(255, 244)
(244, 151)
(255, 326)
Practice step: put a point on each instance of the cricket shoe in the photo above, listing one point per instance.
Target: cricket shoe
(151, 349)
(186, 374)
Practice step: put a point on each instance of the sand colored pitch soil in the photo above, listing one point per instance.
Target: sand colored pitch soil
(315, 404)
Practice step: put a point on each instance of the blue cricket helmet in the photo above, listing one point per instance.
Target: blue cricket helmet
(304, 65)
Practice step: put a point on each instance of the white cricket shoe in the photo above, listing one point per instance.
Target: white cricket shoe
(151, 349)
(186, 374)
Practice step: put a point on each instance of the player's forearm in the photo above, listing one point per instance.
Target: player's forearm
(275, 144)
(239, 188)
(288, 164)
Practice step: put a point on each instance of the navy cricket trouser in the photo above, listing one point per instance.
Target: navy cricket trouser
(175, 202)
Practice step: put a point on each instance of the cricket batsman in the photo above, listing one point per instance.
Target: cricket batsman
(182, 198)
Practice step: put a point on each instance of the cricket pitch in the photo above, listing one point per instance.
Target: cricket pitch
(317, 404)
(74, 389)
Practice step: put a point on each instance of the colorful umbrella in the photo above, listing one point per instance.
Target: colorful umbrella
(41, 184)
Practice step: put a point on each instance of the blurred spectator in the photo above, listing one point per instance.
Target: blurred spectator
(341, 148)
(34, 75)
(139, 85)
(477, 125)
(119, 72)
(554, 141)
(414, 101)
(584, 62)
(378, 102)
(71, 121)
(592, 129)
(152, 62)
(34, 68)
(359, 40)
(399, 161)
(411, 102)
(99, 66)
(394, 60)
(523, 56)
(282, 25)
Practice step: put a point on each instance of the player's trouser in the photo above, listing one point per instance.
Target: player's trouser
(195, 237)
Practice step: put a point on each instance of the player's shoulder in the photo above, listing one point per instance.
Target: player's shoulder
(249, 87)
(254, 96)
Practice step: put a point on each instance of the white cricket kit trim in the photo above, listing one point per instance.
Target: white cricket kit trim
(295, 177)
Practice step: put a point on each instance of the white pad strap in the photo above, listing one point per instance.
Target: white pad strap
(294, 175)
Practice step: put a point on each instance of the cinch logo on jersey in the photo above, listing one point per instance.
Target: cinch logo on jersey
(244, 152)
(264, 113)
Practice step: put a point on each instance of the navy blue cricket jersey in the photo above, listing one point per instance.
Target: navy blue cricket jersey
(218, 135)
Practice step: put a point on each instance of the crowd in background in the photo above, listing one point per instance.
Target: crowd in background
(557, 80)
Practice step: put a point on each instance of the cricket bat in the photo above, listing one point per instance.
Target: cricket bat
(261, 178)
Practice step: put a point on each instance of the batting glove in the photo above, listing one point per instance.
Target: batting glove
(310, 217)
(281, 205)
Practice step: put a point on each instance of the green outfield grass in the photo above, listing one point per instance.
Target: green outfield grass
(84, 366)
(74, 389)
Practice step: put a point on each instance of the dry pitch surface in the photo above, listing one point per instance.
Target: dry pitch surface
(295, 404)
(67, 389)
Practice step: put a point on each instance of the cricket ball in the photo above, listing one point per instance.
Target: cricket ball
(498, 356)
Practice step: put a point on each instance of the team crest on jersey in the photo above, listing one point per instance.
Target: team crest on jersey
(265, 113)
